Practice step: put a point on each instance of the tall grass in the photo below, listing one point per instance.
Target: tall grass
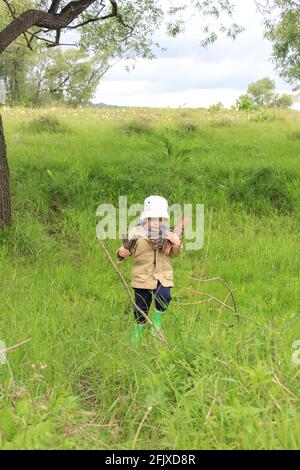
(79, 383)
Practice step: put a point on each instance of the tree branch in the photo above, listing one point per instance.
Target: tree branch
(12, 11)
(54, 6)
(114, 14)
(42, 19)
(60, 85)
(53, 21)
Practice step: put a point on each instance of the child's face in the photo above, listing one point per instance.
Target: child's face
(154, 223)
(157, 226)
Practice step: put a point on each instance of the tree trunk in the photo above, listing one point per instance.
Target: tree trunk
(5, 206)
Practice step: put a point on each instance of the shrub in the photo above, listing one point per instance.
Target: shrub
(263, 116)
(284, 101)
(136, 127)
(295, 135)
(188, 127)
(246, 103)
(263, 188)
(174, 150)
(216, 108)
(47, 124)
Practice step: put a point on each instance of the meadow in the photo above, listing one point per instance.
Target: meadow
(223, 382)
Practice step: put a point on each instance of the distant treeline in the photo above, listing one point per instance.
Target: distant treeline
(49, 76)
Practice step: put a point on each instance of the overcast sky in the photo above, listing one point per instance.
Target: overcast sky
(187, 74)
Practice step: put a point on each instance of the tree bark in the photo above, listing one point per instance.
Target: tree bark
(5, 203)
(42, 19)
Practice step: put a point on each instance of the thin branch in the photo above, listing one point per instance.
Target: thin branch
(12, 348)
(145, 417)
(224, 284)
(225, 301)
(57, 38)
(48, 42)
(210, 410)
(207, 295)
(277, 381)
(91, 20)
(12, 11)
(114, 14)
(42, 19)
(54, 21)
(213, 298)
(54, 6)
(188, 304)
(60, 85)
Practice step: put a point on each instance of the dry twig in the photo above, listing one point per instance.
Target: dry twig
(12, 348)
(218, 279)
(145, 417)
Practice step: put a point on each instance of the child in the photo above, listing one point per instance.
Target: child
(152, 273)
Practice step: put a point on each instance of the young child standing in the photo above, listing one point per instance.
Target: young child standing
(152, 273)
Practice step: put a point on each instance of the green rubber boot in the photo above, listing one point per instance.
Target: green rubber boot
(137, 333)
(156, 320)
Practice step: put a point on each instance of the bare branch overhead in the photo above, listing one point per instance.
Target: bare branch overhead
(53, 19)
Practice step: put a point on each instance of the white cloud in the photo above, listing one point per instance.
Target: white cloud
(187, 73)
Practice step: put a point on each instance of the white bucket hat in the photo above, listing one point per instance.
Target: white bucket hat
(155, 206)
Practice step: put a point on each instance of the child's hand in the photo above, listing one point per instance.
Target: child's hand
(124, 253)
(174, 239)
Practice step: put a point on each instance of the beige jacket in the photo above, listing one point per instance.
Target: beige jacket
(150, 266)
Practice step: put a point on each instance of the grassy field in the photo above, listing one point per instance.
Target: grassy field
(80, 383)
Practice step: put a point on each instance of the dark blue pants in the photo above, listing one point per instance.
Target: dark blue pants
(143, 298)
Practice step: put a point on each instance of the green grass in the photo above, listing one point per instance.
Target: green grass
(79, 383)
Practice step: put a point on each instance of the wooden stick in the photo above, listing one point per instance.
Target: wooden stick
(12, 348)
(277, 381)
(187, 304)
(224, 284)
(225, 300)
(207, 295)
(210, 410)
(145, 417)
(214, 299)
(148, 321)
